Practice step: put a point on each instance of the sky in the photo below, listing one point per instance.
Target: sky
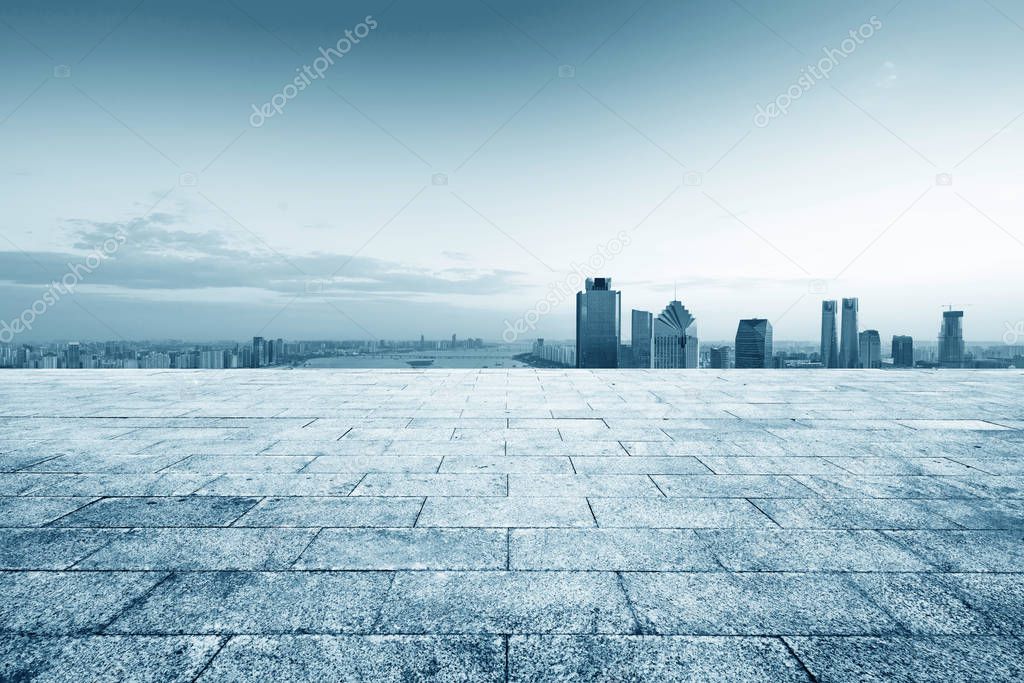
(455, 166)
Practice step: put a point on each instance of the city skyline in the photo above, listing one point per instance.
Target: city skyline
(460, 160)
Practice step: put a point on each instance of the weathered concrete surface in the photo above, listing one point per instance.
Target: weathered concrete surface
(512, 525)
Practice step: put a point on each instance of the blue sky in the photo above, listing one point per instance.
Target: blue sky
(131, 118)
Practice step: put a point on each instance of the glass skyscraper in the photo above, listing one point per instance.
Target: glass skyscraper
(675, 338)
(829, 339)
(870, 349)
(598, 324)
(951, 340)
(849, 349)
(902, 351)
(754, 343)
(642, 335)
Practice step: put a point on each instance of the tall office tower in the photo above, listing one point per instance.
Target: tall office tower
(951, 340)
(675, 338)
(259, 352)
(74, 359)
(754, 343)
(829, 340)
(902, 351)
(720, 358)
(870, 349)
(643, 339)
(849, 349)
(598, 324)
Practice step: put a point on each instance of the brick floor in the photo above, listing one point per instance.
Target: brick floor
(512, 525)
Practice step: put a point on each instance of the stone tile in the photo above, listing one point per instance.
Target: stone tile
(66, 603)
(922, 604)
(752, 604)
(129, 484)
(681, 513)
(25, 511)
(309, 511)
(680, 464)
(466, 464)
(437, 549)
(388, 659)
(999, 597)
(965, 551)
(21, 484)
(885, 486)
(981, 514)
(200, 603)
(506, 512)
(637, 659)
(201, 549)
(106, 462)
(374, 463)
(609, 550)
(869, 465)
(949, 659)
(50, 548)
(328, 448)
(853, 513)
(223, 464)
(581, 485)
(401, 484)
(505, 602)
(105, 659)
(810, 551)
(731, 486)
(273, 484)
(682, 447)
(769, 465)
(184, 511)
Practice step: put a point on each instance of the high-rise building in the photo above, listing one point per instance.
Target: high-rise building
(720, 357)
(642, 335)
(951, 340)
(902, 351)
(675, 338)
(74, 358)
(598, 324)
(870, 349)
(259, 352)
(849, 348)
(829, 339)
(754, 343)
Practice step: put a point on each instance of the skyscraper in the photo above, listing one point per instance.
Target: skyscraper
(902, 351)
(849, 349)
(598, 324)
(829, 340)
(74, 355)
(870, 349)
(675, 338)
(951, 340)
(259, 352)
(754, 343)
(720, 357)
(642, 335)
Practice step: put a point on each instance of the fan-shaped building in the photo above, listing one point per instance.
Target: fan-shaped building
(675, 338)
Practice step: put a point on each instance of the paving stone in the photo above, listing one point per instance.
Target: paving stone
(792, 513)
(200, 603)
(1000, 597)
(201, 549)
(222, 464)
(402, 484)
(681, 513)
(465, 464)
(388, 659)
(752, 604)
(105, 659)
(506, 512)
(638, 659)
(374, 463)
(965, 551)
(503, 602)
(809, 550)
(886, 486)
(309, 511)
(731, 486)
(273, 484)
(769, 465)
(582, 485)
(25, 511)
(135, 484)
(609, 550)
(183, 511)
(922, 604)
(436, 549)
(681, 464)
(50, 548)
(66, 603)
(949, 659)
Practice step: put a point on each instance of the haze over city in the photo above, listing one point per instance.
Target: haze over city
(456, 161)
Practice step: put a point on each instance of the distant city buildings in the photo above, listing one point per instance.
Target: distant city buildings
(675, 338)
(951, 340)
(598, 324)
(849, 349)
(870, 349)
(829, 338)
(642, 339)
(720, 357)
(754, 343)
(902, 351)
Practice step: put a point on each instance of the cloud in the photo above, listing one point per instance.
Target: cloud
(887, 75)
